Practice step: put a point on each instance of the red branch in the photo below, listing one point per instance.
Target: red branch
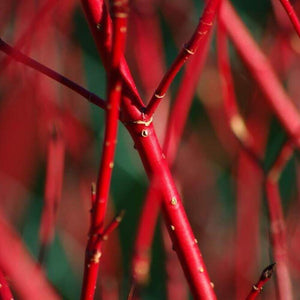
(258, 287)
(292, 15)
(119, 14)
(176, 123)
(101, 27)
(184, 242)
(204, 26)
(262, 72)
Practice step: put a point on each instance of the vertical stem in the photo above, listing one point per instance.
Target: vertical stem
(93, 250)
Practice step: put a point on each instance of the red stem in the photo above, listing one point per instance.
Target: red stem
(178, 117)
(292, 15)
(262, 72)
(204, 26)
(258, 287)
(101, 26)
(177, 223)
(119, 14)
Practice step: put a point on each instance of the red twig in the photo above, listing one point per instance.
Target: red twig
(112, 225)
(176, 123)
(20, 57)
(292, 15)
(264, 277)
(184, 242)
(54, 180)
(5, 293)
(204, 26)
(119, 14)
(101, 28)
(262, 72)
(277, 224)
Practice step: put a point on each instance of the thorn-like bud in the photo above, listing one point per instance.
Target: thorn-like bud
(268, 272)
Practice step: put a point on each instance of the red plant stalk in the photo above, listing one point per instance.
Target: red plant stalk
(5, 293)
(178, 117)
(54, 180)
(184, 242)
(277, 224)
(204, 26)
(93, 250)
(100, 25)
(258, 287)
(262, 72)
(292, 15)
(28, 281)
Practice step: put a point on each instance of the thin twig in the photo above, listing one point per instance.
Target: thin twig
(20, 57)
(204, 26)
(264, 277)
